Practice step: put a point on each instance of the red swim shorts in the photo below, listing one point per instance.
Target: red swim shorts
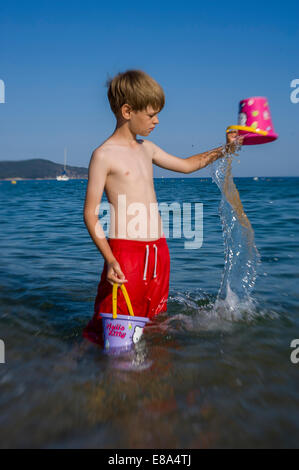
(146, 266)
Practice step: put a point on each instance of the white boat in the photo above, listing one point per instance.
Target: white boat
(63, 176)
(255, 178)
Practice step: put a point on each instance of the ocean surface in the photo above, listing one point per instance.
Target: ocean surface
(198, 378)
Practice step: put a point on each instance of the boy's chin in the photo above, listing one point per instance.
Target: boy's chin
(144, 133)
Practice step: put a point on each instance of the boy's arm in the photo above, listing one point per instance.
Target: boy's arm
(190, 164)
(97, 173)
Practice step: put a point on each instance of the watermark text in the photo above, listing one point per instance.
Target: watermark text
(294, 97)
(138, 220)
(2, 92)
(2, 352)
(295, 354)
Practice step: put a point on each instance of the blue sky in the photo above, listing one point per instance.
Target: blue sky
(55, 57)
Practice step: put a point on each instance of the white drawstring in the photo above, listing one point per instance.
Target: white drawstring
(146, 261)
(156, 252)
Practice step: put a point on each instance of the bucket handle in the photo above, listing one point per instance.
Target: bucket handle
(249, 129)
(114, 299)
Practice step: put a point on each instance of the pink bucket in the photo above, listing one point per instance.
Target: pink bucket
(255, 122)
(121, 332)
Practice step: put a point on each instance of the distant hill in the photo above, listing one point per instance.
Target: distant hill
(38, 168)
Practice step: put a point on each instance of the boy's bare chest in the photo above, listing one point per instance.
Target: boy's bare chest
(131, 167)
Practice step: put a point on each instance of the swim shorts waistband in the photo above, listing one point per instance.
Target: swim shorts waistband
(135, 244)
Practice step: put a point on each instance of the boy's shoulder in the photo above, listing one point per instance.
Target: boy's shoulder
(102, 152)
(149, 146)
(103, 147)
(108, 146)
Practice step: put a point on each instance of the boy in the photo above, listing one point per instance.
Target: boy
(123, 167)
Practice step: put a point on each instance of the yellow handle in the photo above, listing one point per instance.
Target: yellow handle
(114, 299)
(248, 129)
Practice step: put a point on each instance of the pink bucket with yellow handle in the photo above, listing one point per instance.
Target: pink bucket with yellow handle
(255, 122)
(121, 332)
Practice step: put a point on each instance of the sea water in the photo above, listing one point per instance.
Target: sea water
(200, 378)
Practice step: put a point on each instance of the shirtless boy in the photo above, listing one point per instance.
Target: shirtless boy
(135, 254)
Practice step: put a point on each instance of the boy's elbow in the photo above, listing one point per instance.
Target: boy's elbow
(87, 215)
(85, 219)
(187, 167)
(192, 165)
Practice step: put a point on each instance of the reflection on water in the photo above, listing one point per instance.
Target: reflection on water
(135, 359)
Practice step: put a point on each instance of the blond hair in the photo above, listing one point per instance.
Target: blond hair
(135, 88)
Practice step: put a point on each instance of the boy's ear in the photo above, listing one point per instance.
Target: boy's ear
(126, 111)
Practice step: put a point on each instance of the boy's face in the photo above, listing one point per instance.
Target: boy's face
(143, 122)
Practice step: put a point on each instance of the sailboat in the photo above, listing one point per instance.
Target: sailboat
(63, 176)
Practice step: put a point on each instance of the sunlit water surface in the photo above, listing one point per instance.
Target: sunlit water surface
(202, 377)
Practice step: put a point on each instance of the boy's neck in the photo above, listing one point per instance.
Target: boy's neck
(123, 135)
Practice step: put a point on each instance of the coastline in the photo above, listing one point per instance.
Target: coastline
(155, 178)
(38, 179)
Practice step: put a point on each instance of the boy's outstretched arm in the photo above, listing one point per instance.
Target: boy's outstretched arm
(195, 162)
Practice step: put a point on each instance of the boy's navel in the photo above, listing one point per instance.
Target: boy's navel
(127, 173)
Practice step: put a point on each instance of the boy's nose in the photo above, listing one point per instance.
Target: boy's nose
(156, 120)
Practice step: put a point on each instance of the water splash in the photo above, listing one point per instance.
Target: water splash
(233, 302)
(241, 254)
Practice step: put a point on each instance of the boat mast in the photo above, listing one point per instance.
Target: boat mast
(65, 150)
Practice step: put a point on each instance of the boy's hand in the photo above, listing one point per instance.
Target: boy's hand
(233, 141)
(115, 274)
